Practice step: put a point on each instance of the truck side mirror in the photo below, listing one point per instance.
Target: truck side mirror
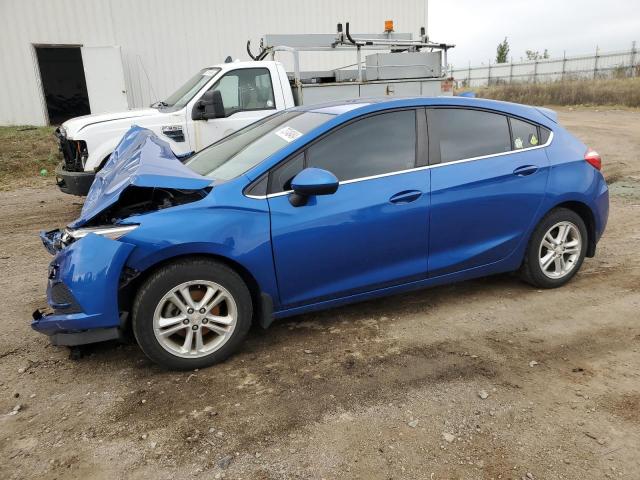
(209, 106)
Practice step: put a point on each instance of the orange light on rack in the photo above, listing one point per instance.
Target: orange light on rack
(388, 26)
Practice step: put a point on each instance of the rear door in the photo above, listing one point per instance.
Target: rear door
(486, 186)
(373, 231)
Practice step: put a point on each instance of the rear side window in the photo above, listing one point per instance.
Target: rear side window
(525, 135)
(375, 145)
(544, 135)
(459, 133)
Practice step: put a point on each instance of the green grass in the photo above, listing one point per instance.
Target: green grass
(24, 152)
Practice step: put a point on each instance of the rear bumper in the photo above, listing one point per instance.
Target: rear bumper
(82, 292)
(601, 210)
(74, 183)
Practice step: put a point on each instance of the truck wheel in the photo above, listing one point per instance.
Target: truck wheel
(556, 249)
(191, 314)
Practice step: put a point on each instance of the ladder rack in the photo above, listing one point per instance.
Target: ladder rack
(385, 66)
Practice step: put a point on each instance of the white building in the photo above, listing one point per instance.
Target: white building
(62, 58)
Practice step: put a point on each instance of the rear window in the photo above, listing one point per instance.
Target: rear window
(460, 133)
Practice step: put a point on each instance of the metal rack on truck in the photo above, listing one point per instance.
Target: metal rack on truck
(408, 68)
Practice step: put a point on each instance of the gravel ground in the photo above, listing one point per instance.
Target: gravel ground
(487, 379)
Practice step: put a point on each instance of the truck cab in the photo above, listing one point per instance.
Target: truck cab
(210, 105)
(223, 98)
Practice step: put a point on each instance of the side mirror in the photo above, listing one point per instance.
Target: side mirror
(209, 106)
(312, 181)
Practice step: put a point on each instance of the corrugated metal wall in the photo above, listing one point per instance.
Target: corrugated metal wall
(164, 42)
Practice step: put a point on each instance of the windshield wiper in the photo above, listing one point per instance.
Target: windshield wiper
(161, 103)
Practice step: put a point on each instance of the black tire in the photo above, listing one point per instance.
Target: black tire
(531, 271)
(172, 275)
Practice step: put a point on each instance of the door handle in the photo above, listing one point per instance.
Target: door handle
(525, 170)
(406, 196)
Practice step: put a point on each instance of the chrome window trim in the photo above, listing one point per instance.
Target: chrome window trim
(425, 167)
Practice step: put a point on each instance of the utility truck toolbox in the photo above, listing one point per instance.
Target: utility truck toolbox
(221, 99)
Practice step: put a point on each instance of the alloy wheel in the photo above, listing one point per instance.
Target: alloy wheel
(560, 249)
(195, 318)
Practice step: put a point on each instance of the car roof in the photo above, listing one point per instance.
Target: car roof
(360, 106)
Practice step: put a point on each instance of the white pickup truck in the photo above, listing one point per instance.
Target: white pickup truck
(223, 98)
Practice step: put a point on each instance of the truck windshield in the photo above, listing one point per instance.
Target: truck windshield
(244, 149)
(181, 97)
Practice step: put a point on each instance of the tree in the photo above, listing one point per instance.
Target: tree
(536, 55)
(502, 52)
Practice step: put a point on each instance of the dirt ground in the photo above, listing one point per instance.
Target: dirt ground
(387, 389)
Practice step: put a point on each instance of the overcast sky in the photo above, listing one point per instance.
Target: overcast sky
(577, 26)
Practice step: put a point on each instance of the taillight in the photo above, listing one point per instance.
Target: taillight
(593, 158)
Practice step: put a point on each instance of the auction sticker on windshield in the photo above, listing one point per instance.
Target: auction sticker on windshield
(288, 134)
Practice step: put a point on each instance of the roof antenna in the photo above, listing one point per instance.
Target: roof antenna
(228, 59)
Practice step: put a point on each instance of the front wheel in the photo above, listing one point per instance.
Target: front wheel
(556, 249)
(191, 314)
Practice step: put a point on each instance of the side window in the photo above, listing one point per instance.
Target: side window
(544, 135)
(525, 135)
(461, 133)
(228, 86)
(375, 145)
(281, 176)
(246, 89)
(259, 188)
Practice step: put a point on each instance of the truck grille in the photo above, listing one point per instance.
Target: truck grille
(74, 152)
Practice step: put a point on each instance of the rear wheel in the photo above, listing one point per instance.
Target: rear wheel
(191, 314)
(556, 249)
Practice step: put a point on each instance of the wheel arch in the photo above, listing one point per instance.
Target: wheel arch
(131, 281)
(100, 154)
(588, 217)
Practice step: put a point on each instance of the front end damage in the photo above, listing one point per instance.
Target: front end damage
(82, 290)
(70, 174)
(88, 274)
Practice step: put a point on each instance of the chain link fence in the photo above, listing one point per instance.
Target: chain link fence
(618, 64)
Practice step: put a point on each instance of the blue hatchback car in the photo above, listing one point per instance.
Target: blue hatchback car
(316, 207)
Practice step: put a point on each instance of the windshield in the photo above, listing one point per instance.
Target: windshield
(244, 149)
(181, 97)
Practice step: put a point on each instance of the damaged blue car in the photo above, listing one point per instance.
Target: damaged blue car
(316, 207)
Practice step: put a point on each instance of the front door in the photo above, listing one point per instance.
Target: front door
(373, 231)
(486, 189)
(248, 96)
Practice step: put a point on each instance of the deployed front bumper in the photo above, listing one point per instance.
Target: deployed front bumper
(83, 289)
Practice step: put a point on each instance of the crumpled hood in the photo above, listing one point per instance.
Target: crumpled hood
(75, 125)
(140, 159)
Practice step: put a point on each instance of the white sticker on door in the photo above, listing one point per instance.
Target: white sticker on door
(288, 134)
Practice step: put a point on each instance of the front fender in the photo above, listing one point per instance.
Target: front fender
(100, 151)
(239, 235)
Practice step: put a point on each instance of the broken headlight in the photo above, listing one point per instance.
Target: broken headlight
(112, 232)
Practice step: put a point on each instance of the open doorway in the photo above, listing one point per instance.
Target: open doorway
(63, 82)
